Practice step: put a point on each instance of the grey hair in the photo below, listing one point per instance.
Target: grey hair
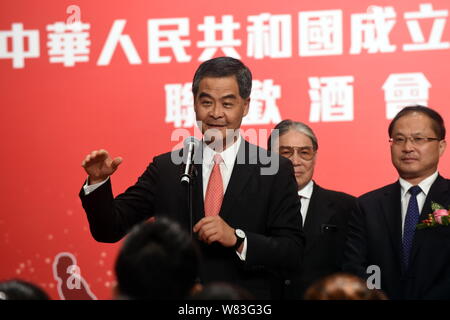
(287, 125)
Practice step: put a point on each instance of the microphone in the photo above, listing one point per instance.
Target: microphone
(190, 144)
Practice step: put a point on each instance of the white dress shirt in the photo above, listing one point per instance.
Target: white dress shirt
(88, 188)
(305, 197)
(226, 167)
(424, 185)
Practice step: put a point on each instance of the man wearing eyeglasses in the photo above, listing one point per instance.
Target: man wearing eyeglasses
(324, 212)
(414, 263)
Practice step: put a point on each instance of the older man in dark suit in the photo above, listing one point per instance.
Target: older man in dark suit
(245, 218)
(325, 212)
(413, 262)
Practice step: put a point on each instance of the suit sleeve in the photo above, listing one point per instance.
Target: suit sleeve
(111, 218)
(355, 253)
(282, 244)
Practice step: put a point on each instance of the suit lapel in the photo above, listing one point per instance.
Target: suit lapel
(391, 208)
(239, 177)
(197, 195)
(319, 211)
(308, 225)
(439, 193)
(197, 187)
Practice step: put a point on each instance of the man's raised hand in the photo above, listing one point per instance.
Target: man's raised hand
(99, 165)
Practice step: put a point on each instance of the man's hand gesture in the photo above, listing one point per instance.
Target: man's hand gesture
(99, 165)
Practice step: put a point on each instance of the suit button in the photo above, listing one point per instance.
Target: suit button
(287, 282)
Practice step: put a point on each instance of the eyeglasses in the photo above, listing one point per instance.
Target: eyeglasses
(306, 153)
(417, 141)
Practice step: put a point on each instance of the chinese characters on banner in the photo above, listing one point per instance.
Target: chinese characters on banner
(93, 74)
(269, 36)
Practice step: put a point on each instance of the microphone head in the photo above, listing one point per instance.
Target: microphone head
(191, 140)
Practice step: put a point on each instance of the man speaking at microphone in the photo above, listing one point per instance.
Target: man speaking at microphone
(245, 217)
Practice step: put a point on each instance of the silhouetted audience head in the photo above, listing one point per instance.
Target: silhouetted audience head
(157, 261)
(21, 290)
(342, 286)
(222, 291)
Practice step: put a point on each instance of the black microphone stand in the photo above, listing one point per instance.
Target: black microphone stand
(187, 180)
(188, 186)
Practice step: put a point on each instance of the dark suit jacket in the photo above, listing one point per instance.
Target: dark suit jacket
(325, 231)
(264, 206)
(375, 238)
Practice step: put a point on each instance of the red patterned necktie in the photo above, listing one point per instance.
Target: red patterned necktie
(214, 190)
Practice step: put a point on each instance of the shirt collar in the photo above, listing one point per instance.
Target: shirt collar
(307, 190)
(228, 155)
(424, 185)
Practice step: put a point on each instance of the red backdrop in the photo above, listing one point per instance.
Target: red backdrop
(101, 79)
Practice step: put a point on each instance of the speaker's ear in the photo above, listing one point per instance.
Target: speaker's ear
(442, 147)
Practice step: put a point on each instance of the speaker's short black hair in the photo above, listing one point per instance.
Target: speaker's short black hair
(224, 67)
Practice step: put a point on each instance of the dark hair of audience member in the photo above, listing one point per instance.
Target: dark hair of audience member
(158, 261)
(222, 291)
(21, 290)
(341, 286)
